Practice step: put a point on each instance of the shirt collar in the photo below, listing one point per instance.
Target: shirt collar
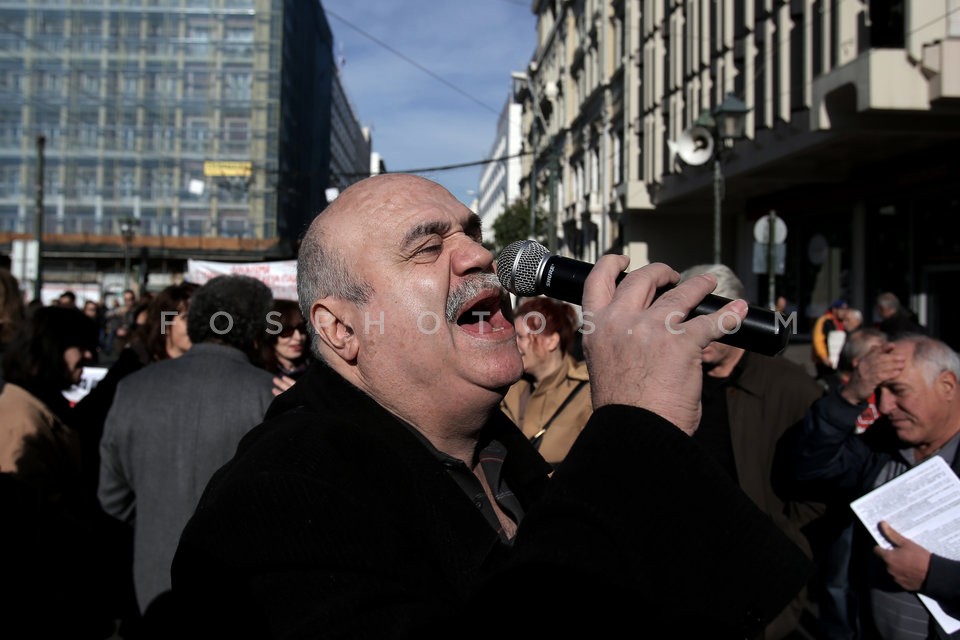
(948, 451)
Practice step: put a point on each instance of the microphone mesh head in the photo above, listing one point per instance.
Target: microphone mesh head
(517, 266)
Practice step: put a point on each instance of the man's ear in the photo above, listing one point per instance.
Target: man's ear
(947, 383)
(331, 318)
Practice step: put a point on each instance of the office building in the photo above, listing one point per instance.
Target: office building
(170, 129)
(851, 131)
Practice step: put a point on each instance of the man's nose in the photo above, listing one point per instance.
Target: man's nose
(470, 256)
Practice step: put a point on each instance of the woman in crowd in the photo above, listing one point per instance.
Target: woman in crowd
(11, 310)
(45, 358)
(165, 333)
(284, 350)
(551, 403)
(58, 547)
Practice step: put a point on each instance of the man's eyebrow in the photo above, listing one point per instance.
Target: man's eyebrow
(473, 226)
(434, 227)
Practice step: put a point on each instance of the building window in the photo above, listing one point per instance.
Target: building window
(198, 82)
(194, 226)
(594, 171)
(128, 138)
(128, 85)
(163, 138)
(88, 135)
(236, 135)
(196, 135)
(11, 131)
(198, 39)
(128, 183)
(9, 181)
(237, 85)
(85, 183)
(234, 225)
(159, 183)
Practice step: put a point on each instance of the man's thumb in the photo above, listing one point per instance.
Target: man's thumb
(891, 534)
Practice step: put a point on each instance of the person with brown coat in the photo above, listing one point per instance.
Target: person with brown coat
(551, 402)
(60, 553)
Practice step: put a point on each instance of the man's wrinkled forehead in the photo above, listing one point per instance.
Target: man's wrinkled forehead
(402, 220)
(911, 365)
(376, 203)
(905, 349)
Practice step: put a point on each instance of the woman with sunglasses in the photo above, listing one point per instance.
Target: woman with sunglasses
(285, 352)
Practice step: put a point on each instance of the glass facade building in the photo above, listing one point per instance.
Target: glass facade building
(189, 117)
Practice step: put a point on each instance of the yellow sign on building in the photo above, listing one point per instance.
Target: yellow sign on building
(224, 169)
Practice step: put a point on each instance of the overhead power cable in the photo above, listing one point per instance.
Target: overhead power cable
(411, 61)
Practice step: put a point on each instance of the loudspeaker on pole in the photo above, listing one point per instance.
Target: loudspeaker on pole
(695, 145)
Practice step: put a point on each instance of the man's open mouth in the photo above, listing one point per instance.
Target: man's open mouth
(483, 315)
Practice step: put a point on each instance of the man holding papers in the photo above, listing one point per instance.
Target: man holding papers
(916, 380)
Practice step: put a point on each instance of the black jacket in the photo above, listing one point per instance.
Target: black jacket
(824, 458)
(334, 521)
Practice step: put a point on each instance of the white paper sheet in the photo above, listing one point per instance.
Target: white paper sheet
(922, 504)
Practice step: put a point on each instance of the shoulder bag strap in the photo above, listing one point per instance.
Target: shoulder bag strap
(535, 440)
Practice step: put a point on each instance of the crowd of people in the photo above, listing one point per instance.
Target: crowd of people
(402, 454)
(95, 493)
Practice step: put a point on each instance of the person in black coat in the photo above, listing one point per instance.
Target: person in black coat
(894, 318)
(386, 496)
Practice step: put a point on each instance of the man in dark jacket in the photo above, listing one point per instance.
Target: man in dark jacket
(916, 379)
(749, 400)
(387, 497)
(894, 318)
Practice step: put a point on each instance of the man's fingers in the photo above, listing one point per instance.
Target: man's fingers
(724, 321)
(892, 534)
(639, 287)
(602, 281)
(731, 316)
(690, 293)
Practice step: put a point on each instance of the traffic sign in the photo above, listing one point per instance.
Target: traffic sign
(761, 230)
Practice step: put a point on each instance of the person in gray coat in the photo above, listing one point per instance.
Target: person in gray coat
(174, 423)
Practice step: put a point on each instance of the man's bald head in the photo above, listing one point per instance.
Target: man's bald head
(323, 267)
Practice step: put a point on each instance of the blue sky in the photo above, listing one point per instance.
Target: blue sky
(417, 120)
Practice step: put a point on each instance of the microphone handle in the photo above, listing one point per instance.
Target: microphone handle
(760, 331)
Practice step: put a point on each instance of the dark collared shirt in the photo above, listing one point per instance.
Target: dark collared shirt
(490, 455)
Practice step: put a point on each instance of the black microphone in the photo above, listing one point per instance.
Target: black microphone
(526, 268)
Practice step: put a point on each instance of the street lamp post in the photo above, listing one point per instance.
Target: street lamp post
(726, 122)
(38, 221)
(127, 230)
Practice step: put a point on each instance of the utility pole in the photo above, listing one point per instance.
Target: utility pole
(554, 170)
(533, 188)
(717, 199)
(127, 230)
(772, 260)
(38, 221)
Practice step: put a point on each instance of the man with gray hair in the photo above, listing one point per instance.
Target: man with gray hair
(173, 423)
(749, 400)
(916, 380)
(894, 318)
